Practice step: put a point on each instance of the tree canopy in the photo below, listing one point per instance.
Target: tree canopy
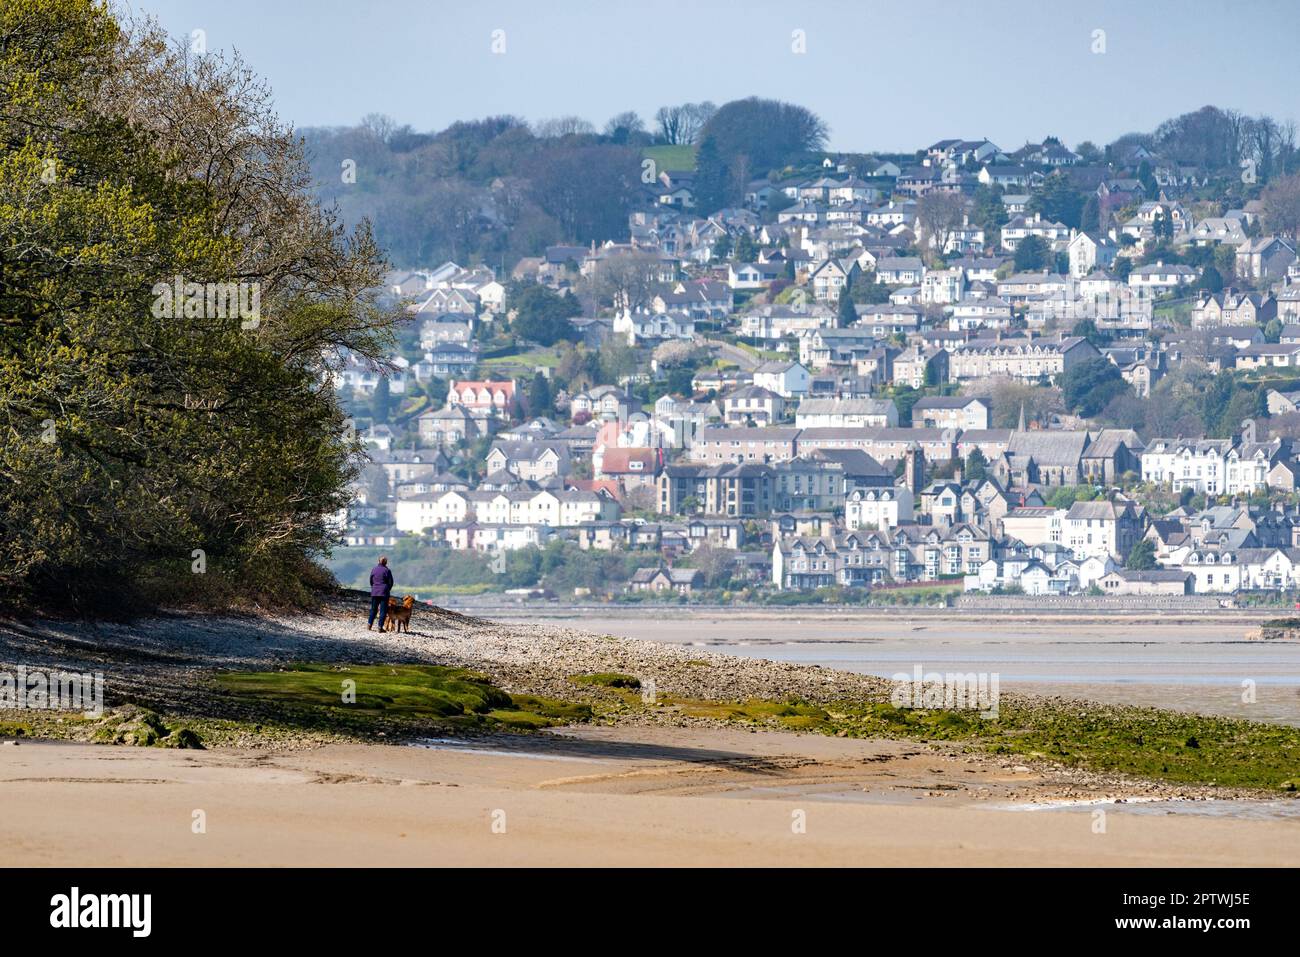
(1088, 386)
(159, 440)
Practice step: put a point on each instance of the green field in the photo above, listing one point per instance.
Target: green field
(530, 360)
(671, 157)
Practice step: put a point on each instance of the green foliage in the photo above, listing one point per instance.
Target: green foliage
(765, 133)
(409, 696)
(989, 212)
(542, 315)
(1227, 400)
(132, 438)
(847, 314)
(1087, 329)
(607, 679)
(1032, 254)
(1058, 200)
(1142, 557)
(866, 291)
(381, 404)
(1067, 495)
(1088, 386)
(1148, 180)
(1090, 214)
(712, 177)
(539, 396)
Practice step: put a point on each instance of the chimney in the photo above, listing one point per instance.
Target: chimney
(914, 468)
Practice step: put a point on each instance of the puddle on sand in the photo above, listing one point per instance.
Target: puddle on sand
(451, 744)
(1262, 810)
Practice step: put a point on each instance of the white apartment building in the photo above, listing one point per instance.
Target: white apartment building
(882, 508)
(558, 509)
(1212, 466)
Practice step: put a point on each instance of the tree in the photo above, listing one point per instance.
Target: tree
(976, 466)
(847, 315)
(1058, 200)
(866, 291)
(381, 401)
(541, 314)
(539, 396)
(768, 133)
(588, 189)
(436, 389)
(1142, 557)
(627, 280)
(1211, 280)
(624, 126)
(1089, 153)
(1281, 202)
(1031, 254)
(1148, 181)
(1090, 215)
(681, 125)
(1087, 329)
(617, 360)
(938, 213)
(714, 562)
(561, 126)
(148, 431)
(680, 381)
(1088, 386)
(711, 177)
(988, 212)
(1162, 227)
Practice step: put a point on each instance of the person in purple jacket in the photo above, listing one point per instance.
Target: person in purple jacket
(381, 586)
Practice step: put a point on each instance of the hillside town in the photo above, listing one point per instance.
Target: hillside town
(1037, 371)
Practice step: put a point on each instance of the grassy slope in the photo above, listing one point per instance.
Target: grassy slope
(671, 157)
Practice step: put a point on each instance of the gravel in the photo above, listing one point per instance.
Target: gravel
(157, 660)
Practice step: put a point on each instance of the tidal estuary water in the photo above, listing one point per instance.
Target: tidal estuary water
(1184, 660)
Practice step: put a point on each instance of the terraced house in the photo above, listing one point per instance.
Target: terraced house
(1026, 358)
(555, 509)
(1219, 466)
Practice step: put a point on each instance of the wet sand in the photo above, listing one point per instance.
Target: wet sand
(598, 796)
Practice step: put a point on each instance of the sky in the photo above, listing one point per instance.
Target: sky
(885, 75)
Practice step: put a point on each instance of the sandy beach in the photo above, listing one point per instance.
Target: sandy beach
(646, 789)
(589, 797)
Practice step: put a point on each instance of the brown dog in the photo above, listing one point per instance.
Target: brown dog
(399, 614)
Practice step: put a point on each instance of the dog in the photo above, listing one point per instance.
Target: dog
(399, 614)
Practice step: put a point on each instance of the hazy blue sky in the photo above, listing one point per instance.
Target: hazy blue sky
(883, 74)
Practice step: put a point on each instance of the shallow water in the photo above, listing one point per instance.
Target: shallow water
(1251, 810)
(1185, 664)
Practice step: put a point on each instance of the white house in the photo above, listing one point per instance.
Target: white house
(883, 508)
(786, 379)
